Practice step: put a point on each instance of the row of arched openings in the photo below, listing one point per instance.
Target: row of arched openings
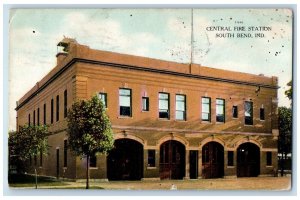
(126, 160)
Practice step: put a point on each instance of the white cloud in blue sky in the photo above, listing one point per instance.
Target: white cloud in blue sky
(156, 33)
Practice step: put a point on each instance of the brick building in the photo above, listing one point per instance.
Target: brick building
(170, 120)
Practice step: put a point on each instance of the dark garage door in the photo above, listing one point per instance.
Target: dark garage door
(248, 160)
(125, 161)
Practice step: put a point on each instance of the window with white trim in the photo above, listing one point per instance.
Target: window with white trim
(163, 105)
(145, 103)
(180, 107)
(103, 97)
(220, 110)
(206, 109)
(125, 102)
(248, 113)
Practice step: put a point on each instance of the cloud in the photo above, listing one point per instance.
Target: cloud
(177, 47)
(105, 34)
(178, 27)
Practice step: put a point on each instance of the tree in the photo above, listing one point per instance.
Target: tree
(285, 128)
(14, 149)
(27, 142)
(285, 134)
(89, 130)
(289, 92)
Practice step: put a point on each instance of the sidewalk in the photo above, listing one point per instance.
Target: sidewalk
(257, 183)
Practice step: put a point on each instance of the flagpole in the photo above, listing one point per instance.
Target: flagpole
(192, 40)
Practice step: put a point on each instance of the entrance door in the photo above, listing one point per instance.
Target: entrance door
(212, 160)
(193, 164)
(57, 163)
(172, 160)
(125, 161)
(248, 160)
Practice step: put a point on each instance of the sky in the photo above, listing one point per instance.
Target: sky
(156, 33)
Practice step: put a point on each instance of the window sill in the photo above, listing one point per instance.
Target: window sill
(269, 166)
(262, 120)
(164, 119)
(151, 167)
(235, 118)
(125, 117)
(248, 125)
(230, 167)
(93, 167)
(220, 122)
(205, 122)
(179, 120)
(144, 111)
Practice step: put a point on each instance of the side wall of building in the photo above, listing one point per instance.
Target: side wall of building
(63, 83)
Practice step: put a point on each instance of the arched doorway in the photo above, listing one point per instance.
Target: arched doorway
(212, 160)
(125, 161)
(248, 160)
(172, 160)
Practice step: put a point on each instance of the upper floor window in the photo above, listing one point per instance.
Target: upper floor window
(180, 107)
(65, 103)
(38, 116)
(145, 103)
(125, 102)
(29, 119)
(248, 113)
(52, 110)
(206, 109)
(163, 105)
(45, 114)
(103, 97)
(234, 111)
(34, 118)
(262, 114)
(220, 110)
(57, 107)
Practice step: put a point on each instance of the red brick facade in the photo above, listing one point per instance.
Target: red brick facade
(186, 146)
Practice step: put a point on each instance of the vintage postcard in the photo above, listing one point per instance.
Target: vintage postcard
(151, 99)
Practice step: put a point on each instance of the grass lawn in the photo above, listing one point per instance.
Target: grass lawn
(29, 185)
(25, 180)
